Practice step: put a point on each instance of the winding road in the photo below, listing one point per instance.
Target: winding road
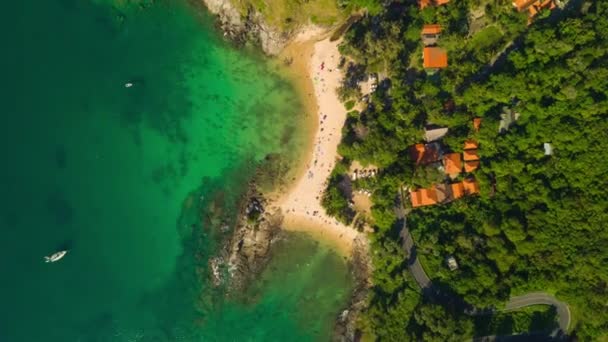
(514, 303)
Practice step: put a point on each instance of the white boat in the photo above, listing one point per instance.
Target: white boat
(55, 256)
(128, 85)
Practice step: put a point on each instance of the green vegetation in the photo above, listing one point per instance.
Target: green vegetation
(336, 199)
(540, 221)
(290, 14)
(532, 318)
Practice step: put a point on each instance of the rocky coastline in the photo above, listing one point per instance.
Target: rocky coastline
(259, 223)
(249, 27)
(247, 250)
(345, 327)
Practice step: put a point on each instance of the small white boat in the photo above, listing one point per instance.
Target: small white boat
(55, 256)
(128, 85)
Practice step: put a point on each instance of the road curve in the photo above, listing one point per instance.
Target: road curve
(514, 303)
(542, 298)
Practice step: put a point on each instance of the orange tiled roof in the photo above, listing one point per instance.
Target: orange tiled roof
(471, 165)
(452, 164)
(471, 186)
(431, 29)
(470, 144)
(425, 3)
(476, 124)
(470, 155)
(423, 197)
(434, 57)
(457, 190)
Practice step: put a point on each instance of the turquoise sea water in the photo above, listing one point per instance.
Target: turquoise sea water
(124, 177)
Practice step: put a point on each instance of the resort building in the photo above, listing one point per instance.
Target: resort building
(470, 156)
(471, 187)
(424, 154)
(443, 193)
(434, 133)
(548, 149)
(471, 165)
(430, 34)
(424, 197)
(452, 164)
(434, 58)
(452, 264)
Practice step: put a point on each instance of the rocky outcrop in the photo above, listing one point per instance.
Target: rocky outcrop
(249, 26)
(248, 250)
(345, 328)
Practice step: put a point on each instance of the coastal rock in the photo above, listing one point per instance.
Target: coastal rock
(345, 328)
(250, 27)
(249, 248)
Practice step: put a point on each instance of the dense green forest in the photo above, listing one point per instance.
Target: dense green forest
(540, 222)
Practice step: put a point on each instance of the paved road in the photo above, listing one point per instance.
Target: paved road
(536, 298)
(514, 303)
(407, 243)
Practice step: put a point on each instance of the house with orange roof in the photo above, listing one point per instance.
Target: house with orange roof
(471, 187)
(430, 34)
(423, 154)
(422, 197)
(470, 144)
(443, 193)
(434, 58)
(470, 155)
(471, 165)
(457, 190)
(452, 164)
(426, 3)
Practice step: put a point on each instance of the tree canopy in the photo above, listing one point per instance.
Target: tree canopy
(540, 221)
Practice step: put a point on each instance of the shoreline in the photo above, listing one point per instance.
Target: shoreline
(313, 68)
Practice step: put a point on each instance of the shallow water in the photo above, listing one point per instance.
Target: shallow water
(120, 176)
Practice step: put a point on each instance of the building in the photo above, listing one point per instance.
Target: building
(470, 144)
(457, 190)
(433, 134)
(422, 197)
(443, 193)
(452, 164)
(470, 156)
(548, 149)
(425, 3)
(430, 34)
(434, 58)
(471, 165)
(452, 264)
(424, 154)
(471, 187)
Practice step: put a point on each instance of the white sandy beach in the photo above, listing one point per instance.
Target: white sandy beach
(301, 204)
